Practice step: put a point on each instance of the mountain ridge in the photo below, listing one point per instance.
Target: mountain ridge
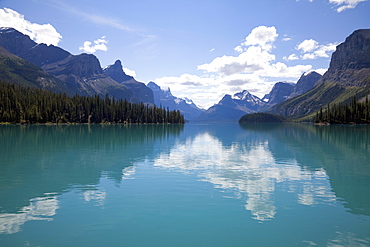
(81, 73)
(348, 75)
(231, 107)
(164, 98)
(140, 90)
(16, 70)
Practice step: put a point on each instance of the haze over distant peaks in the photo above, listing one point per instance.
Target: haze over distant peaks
(165, 99)
(231, 107)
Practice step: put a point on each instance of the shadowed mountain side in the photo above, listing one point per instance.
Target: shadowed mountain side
(139, 89)
(82, 74)
(15, 70)
(305, 83)
(279, 92)
(220, 113)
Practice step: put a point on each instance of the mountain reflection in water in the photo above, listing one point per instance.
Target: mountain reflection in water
(222, 184)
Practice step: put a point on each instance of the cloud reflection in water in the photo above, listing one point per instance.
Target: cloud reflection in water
(247, 168)
(40, 208)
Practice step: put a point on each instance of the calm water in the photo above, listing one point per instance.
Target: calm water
(192, 185)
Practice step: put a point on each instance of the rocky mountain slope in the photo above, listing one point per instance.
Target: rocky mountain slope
(165, 99)
(232, 108)
(305, 83)
(347, 76)
(82, 73)
(15, 70)
(139, 89)
(279, 92)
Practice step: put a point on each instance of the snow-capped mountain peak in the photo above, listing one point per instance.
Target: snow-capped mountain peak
(6, 29)
(241, 95)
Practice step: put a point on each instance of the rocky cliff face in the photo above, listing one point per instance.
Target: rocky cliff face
(115, 71)
(347, 76)
(350, 63)
(139, 89)
(83, 65)
(280, 92)
(15, 42)
(305, 83)
(354, 53)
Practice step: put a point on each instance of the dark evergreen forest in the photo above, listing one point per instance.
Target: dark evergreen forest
(353, 112)
(262, 117)
(19, 104)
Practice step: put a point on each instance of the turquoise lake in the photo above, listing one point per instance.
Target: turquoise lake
(185, 185)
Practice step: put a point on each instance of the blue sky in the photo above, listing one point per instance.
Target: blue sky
(201, 49)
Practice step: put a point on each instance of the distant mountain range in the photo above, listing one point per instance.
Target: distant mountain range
(165, 99)
(348, 75)
(24, 62)
(232, 108)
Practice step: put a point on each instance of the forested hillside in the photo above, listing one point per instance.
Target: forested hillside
(31, 105)
(352, 113)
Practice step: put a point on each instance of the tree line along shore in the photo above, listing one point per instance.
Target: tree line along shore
(19, 104)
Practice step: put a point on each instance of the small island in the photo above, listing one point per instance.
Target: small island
(262, 117)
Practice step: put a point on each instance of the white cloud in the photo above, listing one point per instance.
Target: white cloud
(312, 50)
(345, 4)
(291, 57)
(262, 36)
(309, 56)
(321, 71)
(99, 44)
(209, 89)
(45, 33)
(146, 44)
(308, 45)
(281, 70)
(323, 50)
(129, 72)
(239, 49)
(253, 69)
(253, 59)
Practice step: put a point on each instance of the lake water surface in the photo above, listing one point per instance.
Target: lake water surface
(184, 185)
